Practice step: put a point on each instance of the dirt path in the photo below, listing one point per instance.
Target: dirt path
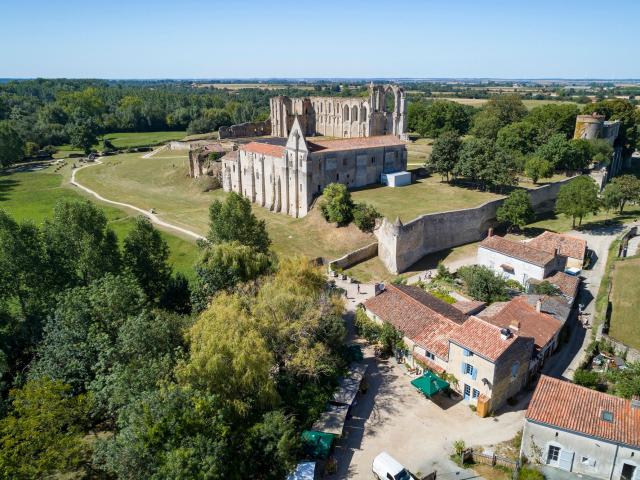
(151, 216)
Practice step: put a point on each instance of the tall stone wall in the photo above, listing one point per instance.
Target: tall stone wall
(355, 257)
(249, 129)
(400, 246)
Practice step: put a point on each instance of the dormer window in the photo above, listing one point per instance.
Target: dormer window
(607, 416)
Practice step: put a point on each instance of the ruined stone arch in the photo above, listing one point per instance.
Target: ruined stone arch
(345, 113)
(354, 114)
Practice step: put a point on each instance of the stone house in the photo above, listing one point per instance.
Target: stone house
(490, 363)
(572, 250)
(583, 431)
(286, 175)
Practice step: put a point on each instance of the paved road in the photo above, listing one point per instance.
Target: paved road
(151, 216)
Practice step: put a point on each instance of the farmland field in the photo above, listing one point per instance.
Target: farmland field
(624, 298)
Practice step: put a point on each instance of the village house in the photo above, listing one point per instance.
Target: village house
(572, 249)
(583, 431)
(490, 363)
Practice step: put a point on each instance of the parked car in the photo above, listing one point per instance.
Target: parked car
(385, 467)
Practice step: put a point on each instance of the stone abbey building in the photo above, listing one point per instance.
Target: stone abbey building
(286, 174)
(383, 112)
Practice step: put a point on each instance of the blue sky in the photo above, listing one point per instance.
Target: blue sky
(325, 38)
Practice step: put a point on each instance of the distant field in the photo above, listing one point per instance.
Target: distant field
(32, 196)
(478, 102)
(624, 297)
(262, 86)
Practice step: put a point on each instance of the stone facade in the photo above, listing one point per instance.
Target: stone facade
(343, 117)
(286, 176)
(205, 160)
(248, 129)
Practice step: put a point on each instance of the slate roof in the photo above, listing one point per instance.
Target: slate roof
(555, 306)
(342, 144)
(567, 245)
(264, 149)
(483, 338)
(521, 251)
(578, 409)
(533, 324)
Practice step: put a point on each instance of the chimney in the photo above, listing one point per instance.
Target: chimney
(539, 305)
(490, 232)
(514, 325)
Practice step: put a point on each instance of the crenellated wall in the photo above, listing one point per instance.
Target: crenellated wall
(400, 246)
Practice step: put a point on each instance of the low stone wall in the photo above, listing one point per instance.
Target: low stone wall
(630, 354)
(355, 257)
(249, 129)
(400, 246)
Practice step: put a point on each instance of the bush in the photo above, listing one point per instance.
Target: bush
(586, 378)
(514, 285)
(366, 327)
(530, 474)
(337, 206)
(546, 288)
(50, 149)
(482, 284)
(442, 295)
(206, 183)
(364, 216)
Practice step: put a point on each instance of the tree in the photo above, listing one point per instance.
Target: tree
(475, 155)
(146, 256)
(556, 151)
(627, 113)
(546, 288)
(613, 197)
(336, 205)
(519, 137)
(581, 154)
(42, 433)
(11, 144)
(435, 118)
(516, 211)
(626, 383)
(578, 198)
(364, 216)
(483, 284)
(177, 295)
(223, 266)
(79, 244)
(625, 188)
(552, 119)
(498, 112)
(445, 153)
(232, 220)
(83, 134)
(537, 167)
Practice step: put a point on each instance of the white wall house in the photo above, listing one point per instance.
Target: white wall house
(582, 431)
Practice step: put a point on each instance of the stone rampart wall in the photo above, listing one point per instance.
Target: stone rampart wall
(355, 257)
(249, 129)
(400, 246)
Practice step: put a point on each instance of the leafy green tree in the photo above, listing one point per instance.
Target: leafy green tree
(79, 244)
(626, 383)
(578, 198)
(627, 113)
(621, 190)
(557, 151)
(83, 134)
(497, 113)
(483, 284)
(475, 155)
(601, 151)
(223, 266)
(516, 211)
(581, 154)
(177, 295)
(233, 220)
(445, 153)
(612, 197)
(519, 137)
(434, 118)
(364, 216)
(336, 205)
(499, 171)
(553, 119)
(11, 144)
(42, 433)
(146, 256)
(546, 288)
(537, 167)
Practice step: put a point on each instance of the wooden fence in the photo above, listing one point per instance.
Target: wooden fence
(469, 455)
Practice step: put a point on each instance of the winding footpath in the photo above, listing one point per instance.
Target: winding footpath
(151, 216)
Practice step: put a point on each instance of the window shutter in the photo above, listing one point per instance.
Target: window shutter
(466, 352)
(565, 460)
(474, 374)
(463, 368)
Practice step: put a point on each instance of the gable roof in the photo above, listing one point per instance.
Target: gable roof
(519, 250)
(264, 149)
(354, 143)
(470, 307)
(568, 284)
(578, 409)
(423, 318)
(533, 324)
(567, 245)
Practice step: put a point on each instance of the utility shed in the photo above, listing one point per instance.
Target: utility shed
(396, 179)
(349, 385)
(332, 420)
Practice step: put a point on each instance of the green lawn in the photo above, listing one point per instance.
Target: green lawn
(32, 196)
(625, 293)
(127, 140)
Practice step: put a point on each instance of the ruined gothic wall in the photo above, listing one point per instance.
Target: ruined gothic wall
(249, 129)
(400, 246)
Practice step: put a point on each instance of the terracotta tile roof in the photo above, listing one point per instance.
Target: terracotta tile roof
(521, 251)
(578, 409)
(421, 317)
(568, 284)
(427, 362)
(264, 149)
(483, 338)
(354, 143)
(567, 245)
(469, 307)
(232, 155)
(533, 324)
(492, 309)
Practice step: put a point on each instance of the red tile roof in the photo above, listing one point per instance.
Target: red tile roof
(533, 324)
(568, 284)
(578, 409)
(567, 245)
(469, 307)
(482, 338)
(232, 155)
(264, 149)
(428, 363)
(354, 143)
(421, 317)
(521, 251)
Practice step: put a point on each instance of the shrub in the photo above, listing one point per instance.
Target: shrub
(586, 378)
(337, 206)
(31, 149)
(527, 473)
(514, 285)
(546, 288)
(482, 284)
(442, 295)
(443, 273)
(366, 327)
(364, 216)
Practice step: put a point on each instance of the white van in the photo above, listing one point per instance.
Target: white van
(385, 467)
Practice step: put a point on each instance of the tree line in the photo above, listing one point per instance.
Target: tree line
(115, 367)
